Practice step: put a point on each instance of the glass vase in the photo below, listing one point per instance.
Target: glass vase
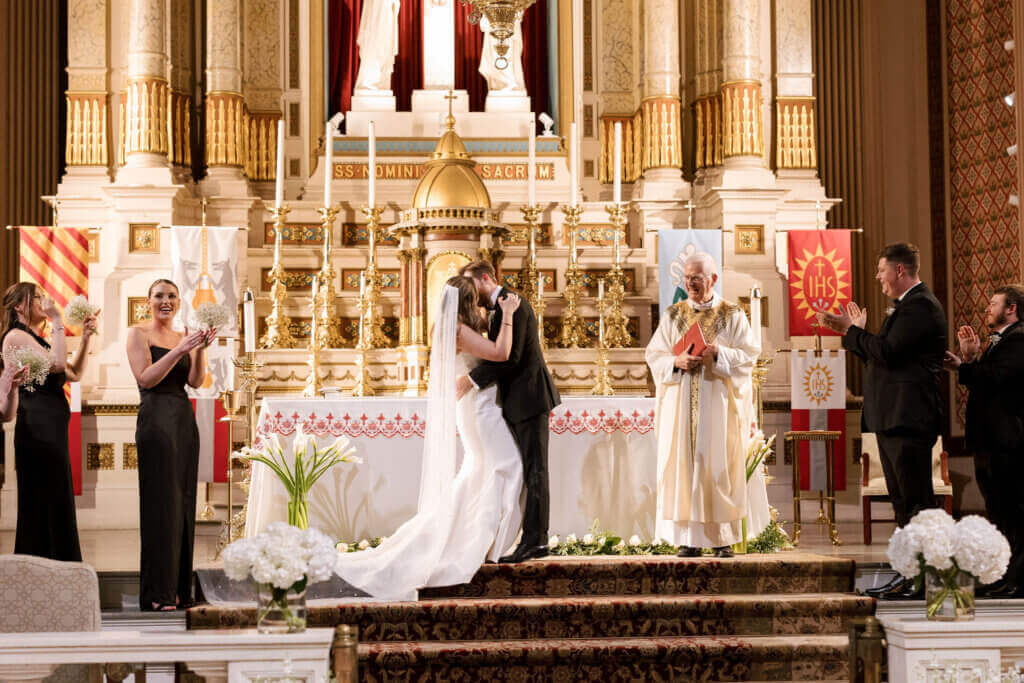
(949, 595)
(298, 511)
(281, 610)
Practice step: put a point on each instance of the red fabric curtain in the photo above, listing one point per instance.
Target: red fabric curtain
(343, 61)
(343, 53)
(469, 44)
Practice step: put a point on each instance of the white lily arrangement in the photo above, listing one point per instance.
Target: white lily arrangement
(758, 451)
(299, 471)
(936, 545)
(78, 310)
(283, 559)
(37, 360)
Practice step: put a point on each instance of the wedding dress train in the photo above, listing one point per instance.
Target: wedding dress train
(465, 514)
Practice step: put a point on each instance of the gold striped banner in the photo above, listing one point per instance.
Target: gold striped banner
(56, 260)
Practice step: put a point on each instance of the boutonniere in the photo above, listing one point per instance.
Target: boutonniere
(889, 311)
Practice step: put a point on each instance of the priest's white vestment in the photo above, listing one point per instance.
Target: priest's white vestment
(704, 419)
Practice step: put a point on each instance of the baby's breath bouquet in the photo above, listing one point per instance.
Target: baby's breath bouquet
(78, 309)
(210, 316)
(37, 361)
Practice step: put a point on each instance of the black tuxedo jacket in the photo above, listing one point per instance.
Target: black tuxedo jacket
(904, 366)
(995, 407)
(525, 387)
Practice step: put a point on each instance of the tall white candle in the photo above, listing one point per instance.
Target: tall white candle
(313, 320)
(617, 187)
(540, 285)
(249, 320)
(362, 283)
(372, 148)
(531, 165)
(755, 316)
(600, 289)
(279, 188)
(600, 308)
(574, 181)
(328, 162)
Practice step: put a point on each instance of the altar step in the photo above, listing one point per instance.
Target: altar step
(760, 617)
(706, 658)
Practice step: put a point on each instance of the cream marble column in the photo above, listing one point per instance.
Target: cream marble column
(708, 70)
(795, 139)
(88, 94)
(742, 120)
(261, 85)
(226, 115)
(144, 106)
(662, 130)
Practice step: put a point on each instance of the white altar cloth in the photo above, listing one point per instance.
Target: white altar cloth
(602, 459)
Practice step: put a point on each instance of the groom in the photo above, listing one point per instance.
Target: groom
(527, 395)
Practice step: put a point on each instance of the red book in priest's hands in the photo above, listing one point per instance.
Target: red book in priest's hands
(693, 342)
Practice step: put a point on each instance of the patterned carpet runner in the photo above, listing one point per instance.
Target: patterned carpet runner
(781, 617)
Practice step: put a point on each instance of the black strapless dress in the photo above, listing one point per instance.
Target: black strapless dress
(168, 443)
(47, 525)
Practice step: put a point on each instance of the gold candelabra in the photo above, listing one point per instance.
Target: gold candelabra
(329, 328)
(528, 275)
(279, 333)
(574, 332)
(371, 331)
(616, 322)
(363, 385)
(316, 342)
(247, 367)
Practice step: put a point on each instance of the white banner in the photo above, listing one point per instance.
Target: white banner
(818, 382)
(205, 268)
(674, 246)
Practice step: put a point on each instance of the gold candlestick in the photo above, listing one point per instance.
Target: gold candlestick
(603, 386)
(528, 274)
(574, 332)
(230, 404)
(373, 332)
(279, 333)
(363, 385)
(538, 309)
(248, 366)
(616, 322)
(329, 330)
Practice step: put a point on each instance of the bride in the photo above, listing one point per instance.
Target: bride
(466, 514)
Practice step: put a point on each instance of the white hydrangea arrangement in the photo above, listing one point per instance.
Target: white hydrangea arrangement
(283, 559)
(78, 310)
(935, 545)
(37, 360)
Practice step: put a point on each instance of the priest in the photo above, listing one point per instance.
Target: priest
(704, 415)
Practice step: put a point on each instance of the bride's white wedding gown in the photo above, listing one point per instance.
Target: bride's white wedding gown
(462, 520)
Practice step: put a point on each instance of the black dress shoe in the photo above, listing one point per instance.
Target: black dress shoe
(688, 551)
(988, 589)
(904, 591)
(878, 590)
(524, 553)
(1008, 591)
(724, 551)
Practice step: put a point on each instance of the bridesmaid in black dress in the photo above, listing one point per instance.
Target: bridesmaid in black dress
(47, 526)
(163, 362)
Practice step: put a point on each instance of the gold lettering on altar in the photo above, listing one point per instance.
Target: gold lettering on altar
(414, 171)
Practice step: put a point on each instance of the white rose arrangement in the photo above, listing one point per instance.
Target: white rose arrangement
(283, 559)
(935, 545)
(37, 360)
(77, 310)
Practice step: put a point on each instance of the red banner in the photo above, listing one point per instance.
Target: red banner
(819, 276)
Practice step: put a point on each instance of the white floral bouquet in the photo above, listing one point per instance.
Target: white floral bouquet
(211, 316)
(283, 559)
(935, 545)
(37, 361)
(77, 310)
(306, 464)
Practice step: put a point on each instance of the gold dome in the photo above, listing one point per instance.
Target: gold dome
(450, 180)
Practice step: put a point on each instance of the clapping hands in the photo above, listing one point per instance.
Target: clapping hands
(970, 343)
(844, 318)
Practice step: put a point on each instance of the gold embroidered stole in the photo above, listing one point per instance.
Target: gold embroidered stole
(711, 321)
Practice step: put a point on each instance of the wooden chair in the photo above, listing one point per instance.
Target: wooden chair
(872, 483)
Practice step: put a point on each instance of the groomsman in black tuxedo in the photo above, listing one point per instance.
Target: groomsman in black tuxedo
(902, 402)
(995, 422)
(527, 394)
